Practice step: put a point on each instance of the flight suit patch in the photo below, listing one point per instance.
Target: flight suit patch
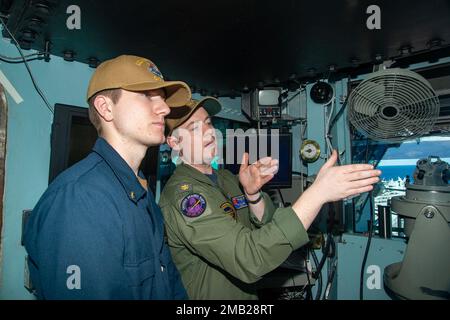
(229, 209)
(193, 205)
(239, 202)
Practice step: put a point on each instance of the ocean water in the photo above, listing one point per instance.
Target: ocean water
(393, 172)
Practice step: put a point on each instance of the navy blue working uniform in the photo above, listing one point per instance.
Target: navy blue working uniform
(96, 221)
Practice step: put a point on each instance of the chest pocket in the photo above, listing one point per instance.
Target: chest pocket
(141, 278)
(140, 238)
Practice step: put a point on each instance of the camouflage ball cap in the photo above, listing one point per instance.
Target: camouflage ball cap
(135, 73)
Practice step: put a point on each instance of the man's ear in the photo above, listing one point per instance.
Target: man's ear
(103, 105)
(173, 142)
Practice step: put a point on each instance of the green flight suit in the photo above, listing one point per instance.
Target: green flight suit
(221, 251)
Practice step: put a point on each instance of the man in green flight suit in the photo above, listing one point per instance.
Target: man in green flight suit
(224, 233)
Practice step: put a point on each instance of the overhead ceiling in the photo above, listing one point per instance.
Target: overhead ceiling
(221, 47)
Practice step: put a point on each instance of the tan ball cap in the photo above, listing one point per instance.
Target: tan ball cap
(135, 73)
(178, 116)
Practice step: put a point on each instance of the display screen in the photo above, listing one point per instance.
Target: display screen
(276, 145)
(268, 97)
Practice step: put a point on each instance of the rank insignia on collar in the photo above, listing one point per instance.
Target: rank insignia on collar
(228, 209)
(193, 205)
(239, 202)
(185, 187)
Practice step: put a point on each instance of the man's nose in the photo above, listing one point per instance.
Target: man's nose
(209, 132)
(163, 109)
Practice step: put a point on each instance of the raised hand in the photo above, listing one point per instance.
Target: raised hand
(253, 177)
(334, 183)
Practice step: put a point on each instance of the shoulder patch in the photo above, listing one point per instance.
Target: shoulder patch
(228, 209)
(239, 202)
(193, 205)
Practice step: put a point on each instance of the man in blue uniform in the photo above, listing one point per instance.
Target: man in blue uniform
(97, 233)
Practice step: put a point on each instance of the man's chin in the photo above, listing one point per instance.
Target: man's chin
(154, 141)
(207, 162)
(208, 159)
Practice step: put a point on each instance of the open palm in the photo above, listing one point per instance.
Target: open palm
(253, 177)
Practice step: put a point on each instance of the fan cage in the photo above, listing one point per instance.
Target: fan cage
(393, 105)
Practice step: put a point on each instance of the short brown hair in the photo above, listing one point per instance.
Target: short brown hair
(94, 117)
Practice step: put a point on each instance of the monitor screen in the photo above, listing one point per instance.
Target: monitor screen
(268, 97)
(276, 145)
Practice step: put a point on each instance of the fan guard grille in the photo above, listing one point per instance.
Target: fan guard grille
(393, 105)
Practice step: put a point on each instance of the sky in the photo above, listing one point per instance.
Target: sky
(410, 151)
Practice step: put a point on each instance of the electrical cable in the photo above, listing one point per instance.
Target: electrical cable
(307, 274)
(330, 280)
(363, 266)
(281, 196)
(327, 126)
(331, 269)
(369, 239)
(317, 275)
(330, 240)
(16, 43)
(338, 114)
(302, 183)
(289, 99)
(20, 59)
(325, 254)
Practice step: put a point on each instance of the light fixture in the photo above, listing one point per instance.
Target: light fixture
(25, 44)
(321, 92)
(68, 55)
(42, 8)
(35, 23)
(28, 35)
(405, 50)
(93, 62)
